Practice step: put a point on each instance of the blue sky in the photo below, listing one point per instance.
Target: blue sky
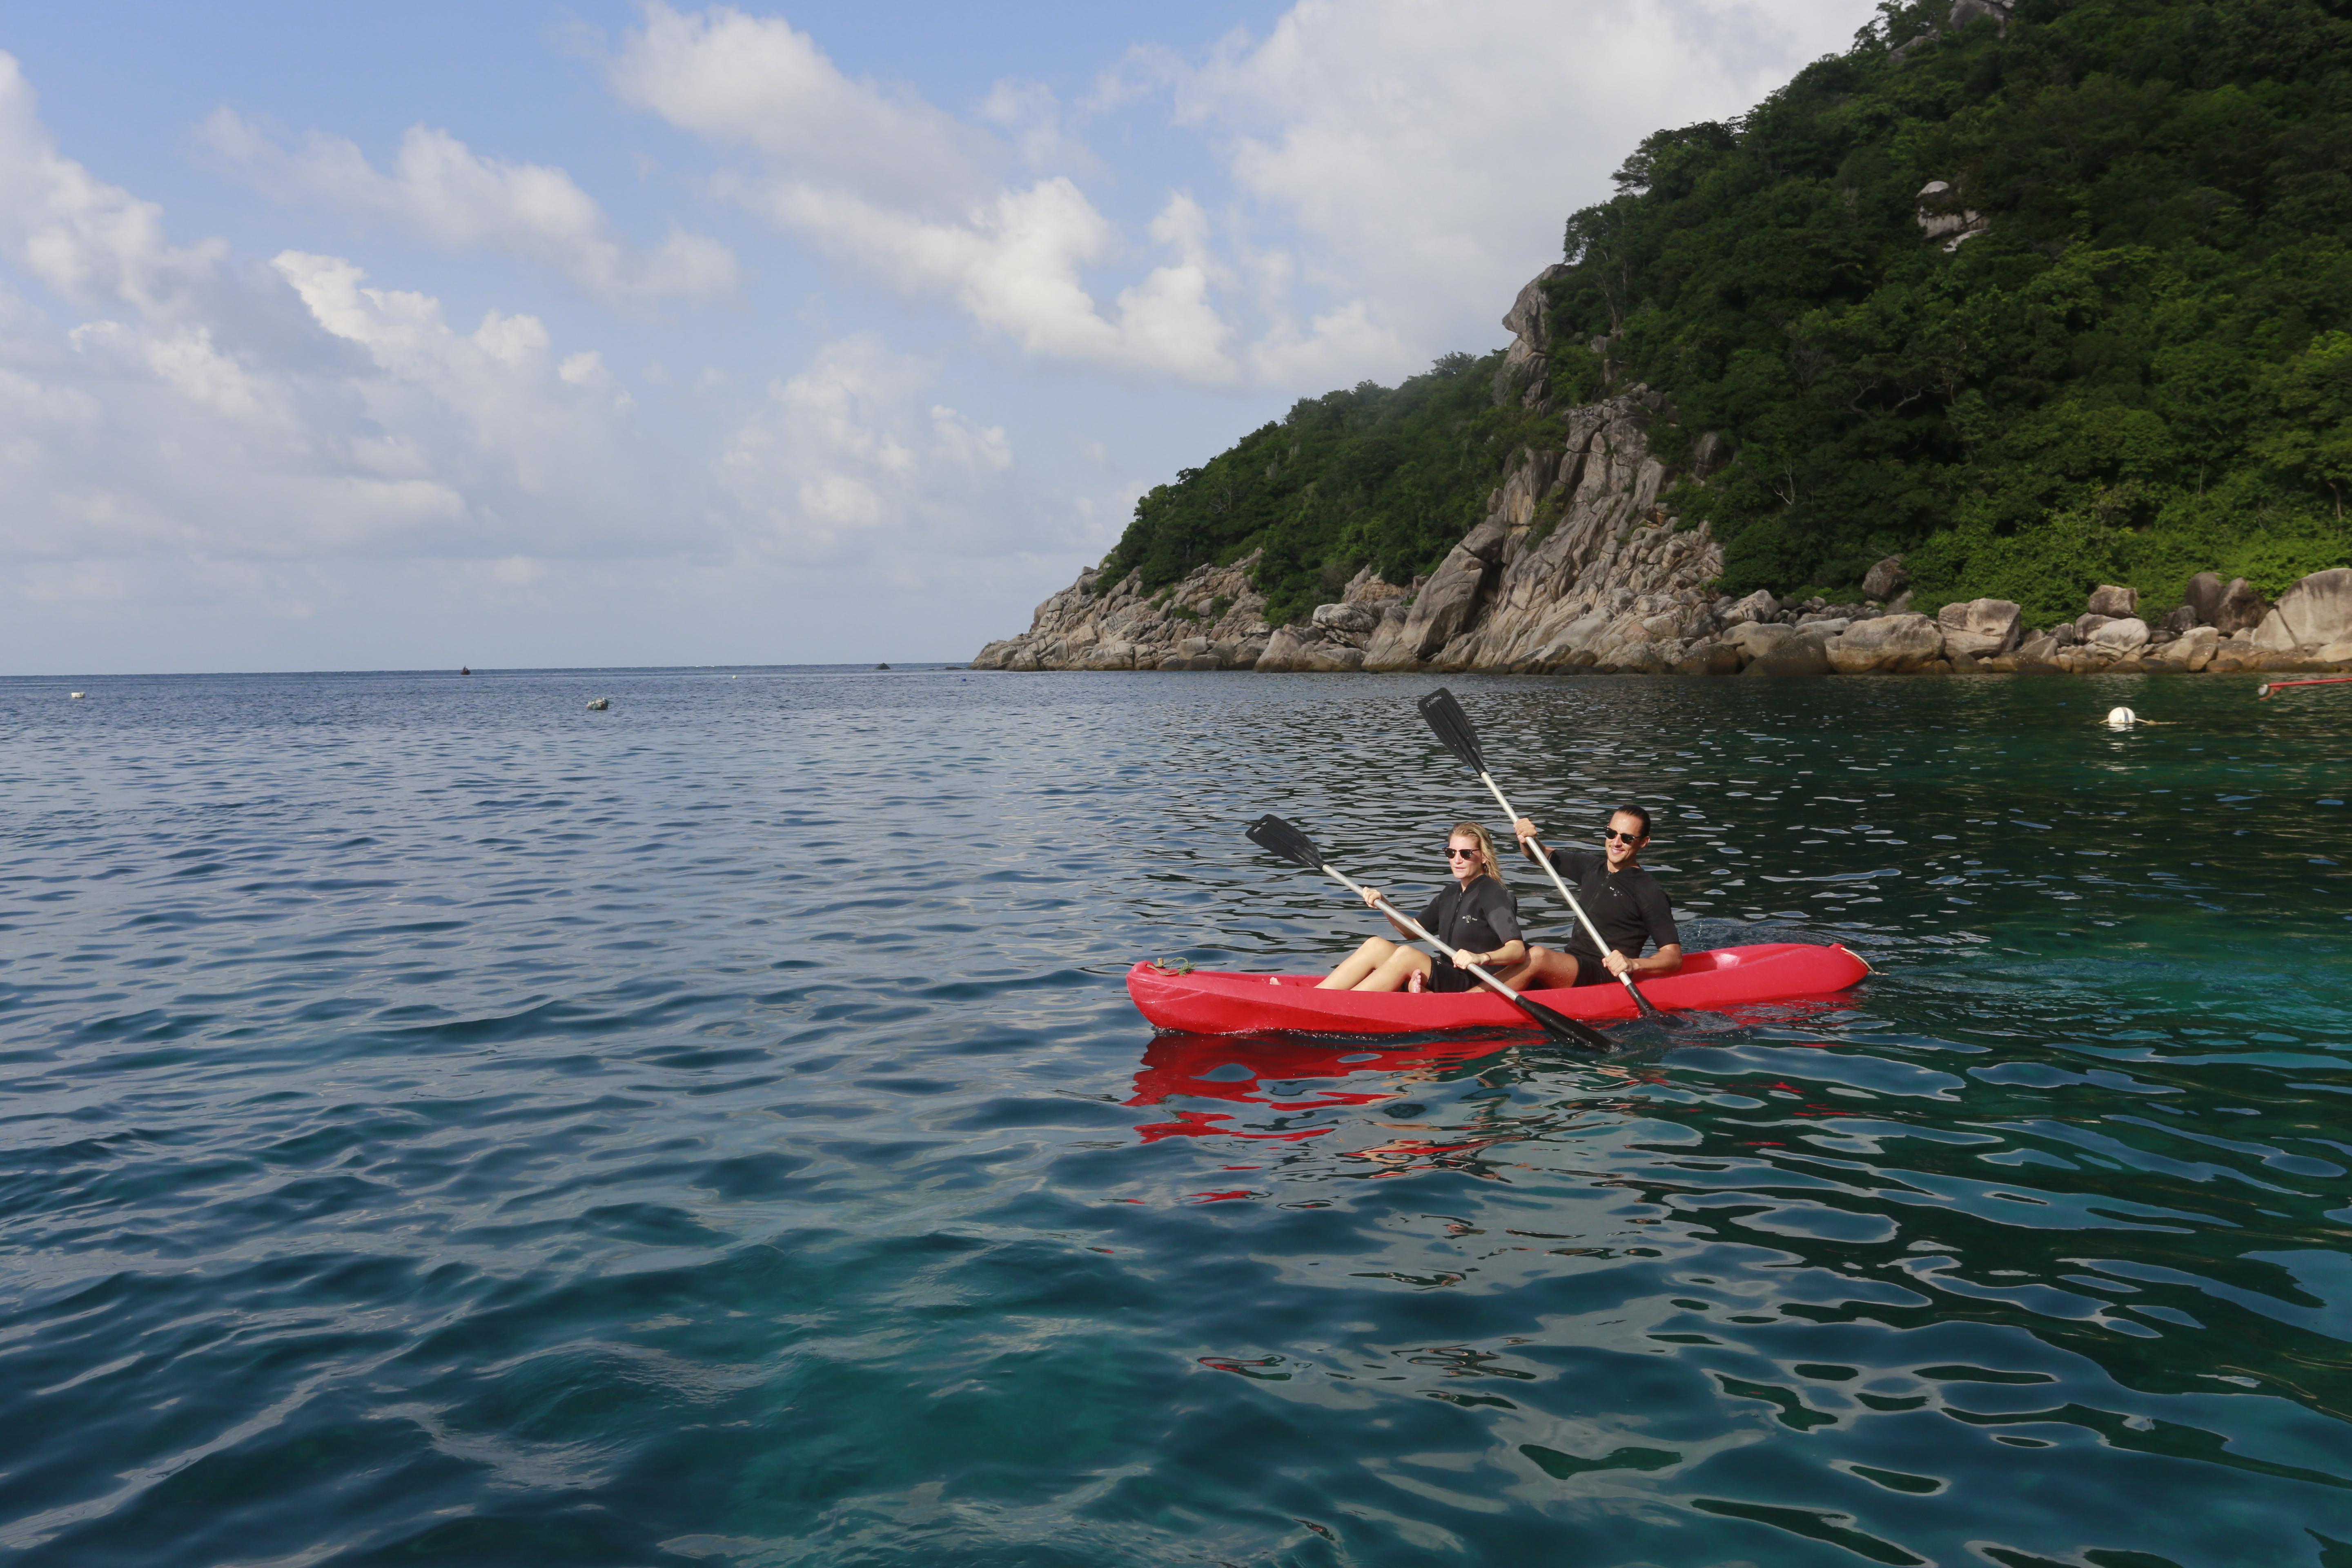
(367, 337)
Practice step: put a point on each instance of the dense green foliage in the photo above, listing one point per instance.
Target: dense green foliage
(2141, 370)
(2138, 371)
(1388, 477)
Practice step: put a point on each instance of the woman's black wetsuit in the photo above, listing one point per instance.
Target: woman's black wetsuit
(1477, 919)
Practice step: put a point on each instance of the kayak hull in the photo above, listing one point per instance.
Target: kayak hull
(1202, 1002)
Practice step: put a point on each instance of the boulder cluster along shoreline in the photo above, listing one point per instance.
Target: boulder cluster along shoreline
(1578, 567)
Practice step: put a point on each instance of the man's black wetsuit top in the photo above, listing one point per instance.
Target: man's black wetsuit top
(1629, 907)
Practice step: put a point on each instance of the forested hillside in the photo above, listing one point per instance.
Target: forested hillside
(1389, 476)
(2137, 364)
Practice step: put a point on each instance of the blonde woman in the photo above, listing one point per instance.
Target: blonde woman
(1476, 918)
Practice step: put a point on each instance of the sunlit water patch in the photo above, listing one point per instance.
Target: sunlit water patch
(447, 1125)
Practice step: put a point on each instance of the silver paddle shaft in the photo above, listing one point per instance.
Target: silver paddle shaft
(1414, 926)
(1543, 858)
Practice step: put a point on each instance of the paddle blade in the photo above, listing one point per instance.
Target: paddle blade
(1453, 729)
(1560, 1026)
(1277, 836)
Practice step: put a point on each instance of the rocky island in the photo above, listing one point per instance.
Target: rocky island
(1884, 377)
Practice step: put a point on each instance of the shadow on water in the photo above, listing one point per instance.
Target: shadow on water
(442, 1125)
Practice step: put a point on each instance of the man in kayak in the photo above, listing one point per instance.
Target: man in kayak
(1476, 918)
(1626, 903)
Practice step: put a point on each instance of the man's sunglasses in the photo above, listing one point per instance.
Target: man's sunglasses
(1608, 833)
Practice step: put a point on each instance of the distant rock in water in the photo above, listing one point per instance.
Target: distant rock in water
(597, 705)
(463, 670)
(881, 667)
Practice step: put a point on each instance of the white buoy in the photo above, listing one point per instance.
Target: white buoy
(2121, 717)
(599, 704)
(76, 696)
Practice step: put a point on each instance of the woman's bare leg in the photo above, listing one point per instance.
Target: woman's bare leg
(1364, 961)
(1542, 969)
(1403, 965)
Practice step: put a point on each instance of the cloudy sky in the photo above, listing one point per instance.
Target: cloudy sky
(342, 337)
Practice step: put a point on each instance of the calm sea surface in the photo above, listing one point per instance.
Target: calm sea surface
(444, 1125)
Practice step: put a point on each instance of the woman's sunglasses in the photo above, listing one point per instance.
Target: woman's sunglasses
(1454, 854)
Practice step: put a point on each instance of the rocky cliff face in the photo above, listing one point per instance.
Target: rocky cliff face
(1576, 563)
(1213, 619)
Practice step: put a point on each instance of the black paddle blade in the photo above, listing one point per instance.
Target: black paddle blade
(1560, 1026)
(1277, 836)
(1453, 727)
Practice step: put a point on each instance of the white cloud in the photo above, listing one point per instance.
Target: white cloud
(1415, 162)
(852, 460)
(85, 239)
(542, 427)
(753, 81)
(1015, 265)
(207, 414)
(455, 198)
(893, 187)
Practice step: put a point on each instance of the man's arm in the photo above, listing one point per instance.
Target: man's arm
(1667, 960)
(1565, 861)
(1658, 915)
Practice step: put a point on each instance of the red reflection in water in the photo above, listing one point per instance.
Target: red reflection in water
(1181, 1067)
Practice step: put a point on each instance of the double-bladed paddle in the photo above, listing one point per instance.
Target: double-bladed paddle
(1454, 732)
(1277, 836)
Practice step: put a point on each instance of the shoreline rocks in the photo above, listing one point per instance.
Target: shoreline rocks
(1210, 619)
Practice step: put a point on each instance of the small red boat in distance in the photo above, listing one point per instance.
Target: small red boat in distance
(1204, 1002)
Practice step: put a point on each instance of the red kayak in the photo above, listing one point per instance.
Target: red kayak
(1198, 1002)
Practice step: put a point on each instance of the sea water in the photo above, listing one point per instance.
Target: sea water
(447, 1125)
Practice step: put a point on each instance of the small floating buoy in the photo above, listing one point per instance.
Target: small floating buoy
(76, 696)
(599, 704)
(2121, 717)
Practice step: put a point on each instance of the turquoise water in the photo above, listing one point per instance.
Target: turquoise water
(447, 1126)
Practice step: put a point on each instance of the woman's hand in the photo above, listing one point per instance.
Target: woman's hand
(1373, 898)
(1466, 958)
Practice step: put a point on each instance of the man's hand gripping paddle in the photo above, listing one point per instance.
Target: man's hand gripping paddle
(1277, 836)
(1453, 727)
